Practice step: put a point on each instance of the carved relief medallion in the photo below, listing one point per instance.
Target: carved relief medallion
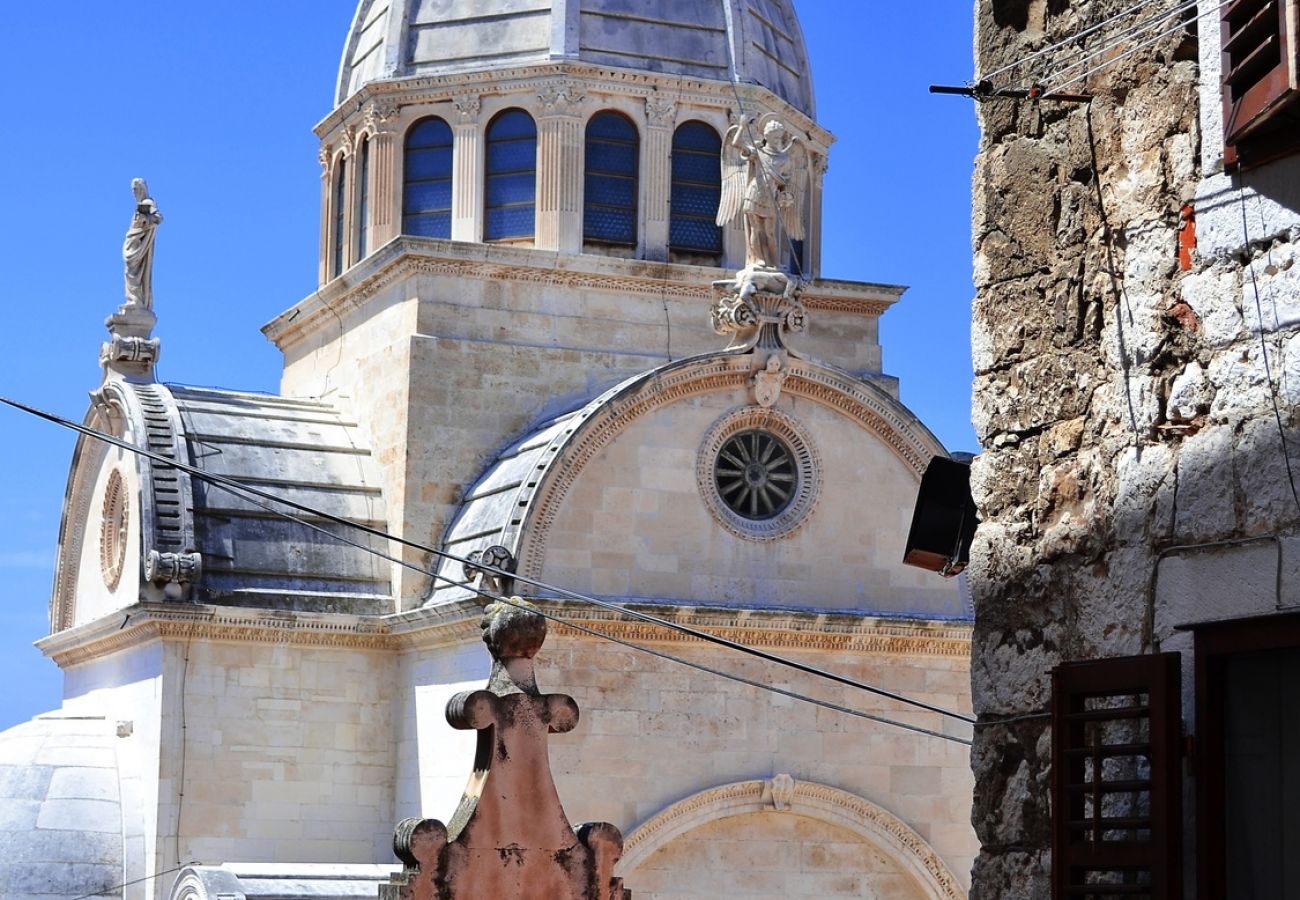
(114, 530)
(758, 473)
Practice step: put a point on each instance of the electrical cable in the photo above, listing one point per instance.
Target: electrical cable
(492, 595)
(1069, 40)
(1134, 49)
(1263, 347)
(1116, 41)
(237, 486)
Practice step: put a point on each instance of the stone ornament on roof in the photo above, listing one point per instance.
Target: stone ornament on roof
(509, 837)
(132, 351)
(765, 181)
(137, 249)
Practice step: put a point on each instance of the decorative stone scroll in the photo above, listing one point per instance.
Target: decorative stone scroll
(173, 569)
(761, 307)
(510, 836)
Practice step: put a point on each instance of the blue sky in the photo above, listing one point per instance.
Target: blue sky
(214, 104)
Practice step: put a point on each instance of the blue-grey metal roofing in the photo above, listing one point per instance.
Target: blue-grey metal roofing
(306, 451)
(756, 41)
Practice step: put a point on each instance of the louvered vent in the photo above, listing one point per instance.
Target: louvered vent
(1259, 64)
(1116, 779)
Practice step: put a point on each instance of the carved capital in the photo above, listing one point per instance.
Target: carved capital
(325, 155)
(133, 352)
(660, 112)
(563, 99)
(173, 568)
(468, 107)
(378, 114)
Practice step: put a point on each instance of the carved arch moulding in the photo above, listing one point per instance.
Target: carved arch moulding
(784, 795)
(602, 421)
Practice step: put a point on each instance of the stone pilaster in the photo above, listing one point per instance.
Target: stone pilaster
(385, 191)
(657, 175)
(559, 169)
(325, 238)
(813, 251)
(467, 171)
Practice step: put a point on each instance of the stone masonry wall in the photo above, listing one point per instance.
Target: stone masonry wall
(1123, 406)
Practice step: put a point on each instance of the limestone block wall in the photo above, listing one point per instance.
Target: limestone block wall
(653, 733)
(1122, 403)
(661, 539)
(446, 360)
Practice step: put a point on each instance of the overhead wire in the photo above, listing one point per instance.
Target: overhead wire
(1074, 38)
(1142, 46)
(584, 629)
(248, 490)
(1115, 41)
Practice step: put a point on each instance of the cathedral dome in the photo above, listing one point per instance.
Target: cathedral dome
(756, 41)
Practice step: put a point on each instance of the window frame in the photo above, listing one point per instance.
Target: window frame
(634, 176)
(1260, 111)
(339, 194)
(1216, 643)
(1159, 676)
(449, 178)
(488, 175)
(720, 250)
(362, 228)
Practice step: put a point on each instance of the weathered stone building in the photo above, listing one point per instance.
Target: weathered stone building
(510, 348)
(1137, 345)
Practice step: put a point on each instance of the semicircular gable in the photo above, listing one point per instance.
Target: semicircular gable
(898, 841)
(517, 503)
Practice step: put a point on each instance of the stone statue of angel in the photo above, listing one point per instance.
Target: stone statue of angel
(765, 179)
(137, 250)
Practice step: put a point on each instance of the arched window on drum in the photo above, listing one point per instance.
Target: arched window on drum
(340, 249)
(426, 180)
(511, 211)
(693, 234)
(609, 220)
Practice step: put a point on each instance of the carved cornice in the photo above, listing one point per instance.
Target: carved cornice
(593, 428)
(425, 90)
(874, 824)
(458, 625)
(427, 256)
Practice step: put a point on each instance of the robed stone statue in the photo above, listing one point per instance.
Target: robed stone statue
(137, 250)
(765, 179)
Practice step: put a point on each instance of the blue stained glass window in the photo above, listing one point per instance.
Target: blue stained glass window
(426, 174)
(511, 177)
(613, 150)
(363, 202)
(697, 189)
(340, 205)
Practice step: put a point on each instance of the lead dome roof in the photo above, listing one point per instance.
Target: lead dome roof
(756, 41)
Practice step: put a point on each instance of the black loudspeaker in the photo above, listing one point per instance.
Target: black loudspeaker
(943, 526)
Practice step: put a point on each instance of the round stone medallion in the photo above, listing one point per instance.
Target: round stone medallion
(758, 473)
(113, 531)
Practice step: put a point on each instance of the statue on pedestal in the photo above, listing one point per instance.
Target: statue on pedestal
(137, 249)
(765, 179)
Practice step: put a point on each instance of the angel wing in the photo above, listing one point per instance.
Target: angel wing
(796, 187)
(735, 177)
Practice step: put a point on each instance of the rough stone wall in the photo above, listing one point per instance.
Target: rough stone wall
(1124, 410)
(1076, 210)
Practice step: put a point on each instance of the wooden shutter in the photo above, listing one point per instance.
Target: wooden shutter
(1117, 779)
(1260, 87)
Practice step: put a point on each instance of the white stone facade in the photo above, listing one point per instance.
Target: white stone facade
(281, 687)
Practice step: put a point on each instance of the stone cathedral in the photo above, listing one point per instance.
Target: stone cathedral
(570, 322)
